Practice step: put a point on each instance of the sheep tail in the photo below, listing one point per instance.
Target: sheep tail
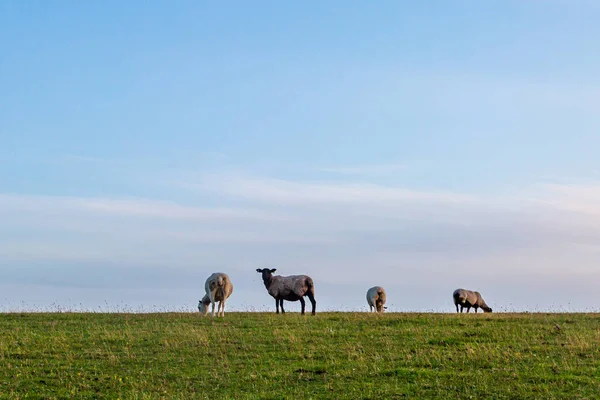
(220, 293)
(310, 286)
(460, 298)
(381, 294)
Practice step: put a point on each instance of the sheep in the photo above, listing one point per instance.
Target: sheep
(290, 288)
(218, 287)
(376, 298)
(468, 299)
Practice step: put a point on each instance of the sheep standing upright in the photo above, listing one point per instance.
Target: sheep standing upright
(218, 287)
(468, 299)
(290, 288)
(376, 298)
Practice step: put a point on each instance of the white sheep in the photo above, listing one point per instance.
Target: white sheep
(218, 287)
(376, 298)
(290, 288)
(468, 299)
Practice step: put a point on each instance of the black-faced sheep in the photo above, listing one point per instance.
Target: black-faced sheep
(376, 298)
(290, 288)
(468, 299)
(218, 287)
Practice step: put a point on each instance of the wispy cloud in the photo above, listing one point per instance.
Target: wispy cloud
(78, 158)
(583, 199)
(292, 192)
(370, 169)
(320, 228)
(137, 207)
(163, 209)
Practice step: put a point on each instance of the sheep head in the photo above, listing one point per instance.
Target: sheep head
(266, 270)
(267, 275)
(203, 306)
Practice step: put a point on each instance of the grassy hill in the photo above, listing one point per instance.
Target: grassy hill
(332, 355)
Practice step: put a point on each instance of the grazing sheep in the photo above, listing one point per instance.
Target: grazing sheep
(469, 298)
(290, 288)
(376, 298)
(218, 287)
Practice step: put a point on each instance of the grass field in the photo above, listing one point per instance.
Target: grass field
(332, 355)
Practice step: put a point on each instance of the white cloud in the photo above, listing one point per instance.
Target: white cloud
(345, 235)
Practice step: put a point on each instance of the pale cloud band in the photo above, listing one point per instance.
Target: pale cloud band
(372, 233)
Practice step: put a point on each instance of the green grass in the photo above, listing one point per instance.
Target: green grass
(332, 355)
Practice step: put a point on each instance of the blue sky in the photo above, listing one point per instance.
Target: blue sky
(421, 147)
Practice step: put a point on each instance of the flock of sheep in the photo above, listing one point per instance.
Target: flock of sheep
(218, 288)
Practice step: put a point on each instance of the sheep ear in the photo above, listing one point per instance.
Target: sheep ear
(258, 270)
(273, 270)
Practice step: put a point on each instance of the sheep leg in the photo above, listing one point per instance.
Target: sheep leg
(461, 308)
(468, 309)
(475, 310)
(277, 306)
(303, 304)
(311, 297)
(282, 310)
(456, 307)
(212, 314)
(370, 308)
(222, 308)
